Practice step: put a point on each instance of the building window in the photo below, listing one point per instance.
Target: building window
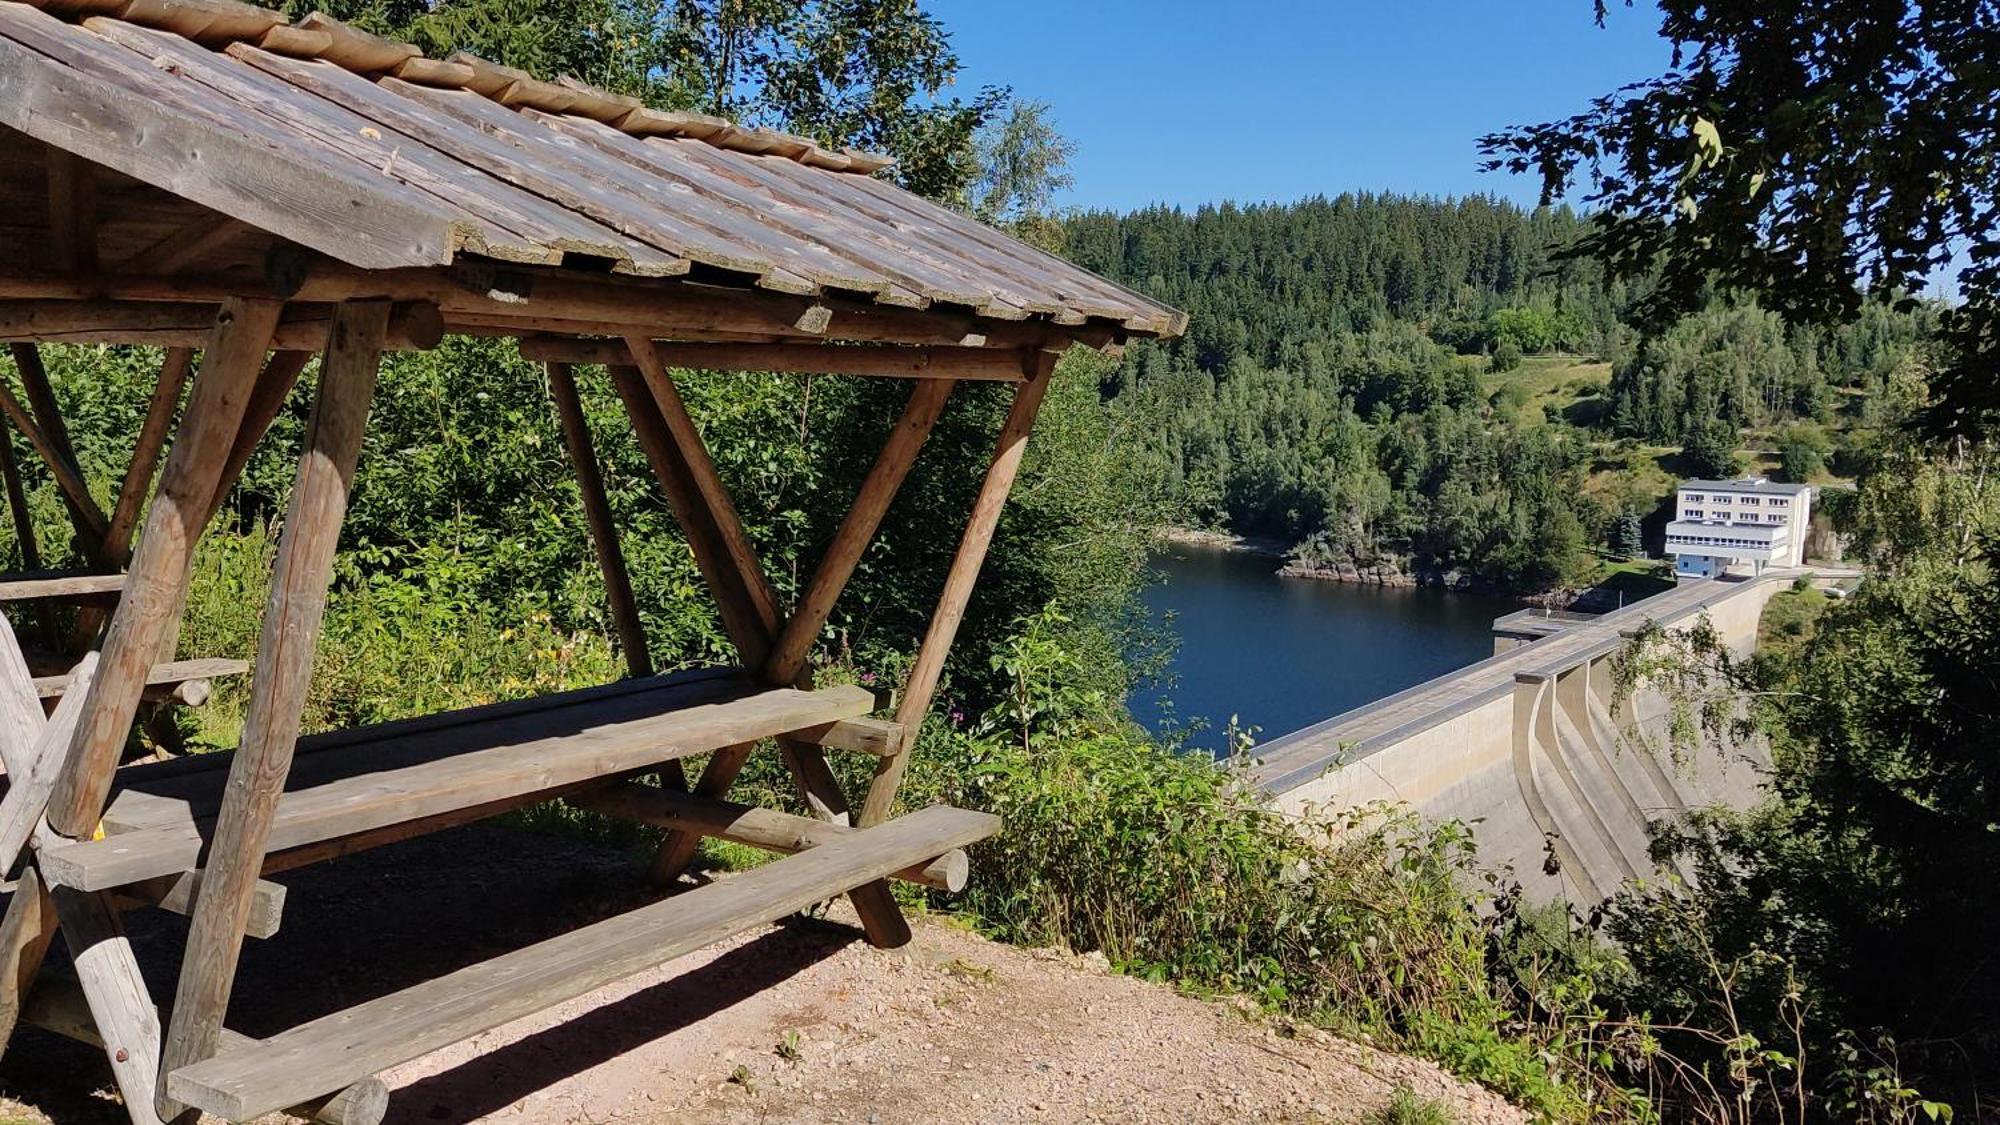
(1751, 501)
(1774, 517)
(1691, 498)
(1694, 514)
(1780, 502)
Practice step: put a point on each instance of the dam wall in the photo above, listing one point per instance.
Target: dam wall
(1529, 749)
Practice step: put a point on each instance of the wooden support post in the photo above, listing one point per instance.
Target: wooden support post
(603, 529)
(146, 450)
(733, 602)
(156, 589)
(116, 549)
(857, 530)
(25, 933)
(958, 583)
(119, 1003)
(715, 497)
(277, 693)
(267, 399)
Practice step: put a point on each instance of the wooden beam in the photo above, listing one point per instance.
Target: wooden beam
(887, 360)
(267, 399)
(519, 300)
(277, 693)
(415, 325)
(603, 528)
(740, 618)
(156, 590)
(26, 932)
(857, 530)
(708, 483)
(958, 584)
(146, 449)
(120, 1006)
(72, 183)
(768, 829)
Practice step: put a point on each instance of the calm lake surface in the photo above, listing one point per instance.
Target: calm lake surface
(1283, 653)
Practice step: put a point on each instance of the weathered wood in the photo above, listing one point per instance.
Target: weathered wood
(538, 299)
(30, 586)
(415, 776)
(861, 736)
(185, 246)
(161, 679)
(58, 1005)
(17, 506)
(415, 326)
(856, 531)
(156, 590)
(72, 211)
(292, 622)
(120, 1007)
(958, 584)
(603, 528)
(176, 895)
(274, 385)
(740, 618)
(29, 787)
(268, 180)
(366, 1039)
(26, 932)
(745, 824)
(146, 449)
(886, 360)
(708, 483)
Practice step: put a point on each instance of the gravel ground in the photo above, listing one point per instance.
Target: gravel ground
(801, 1022)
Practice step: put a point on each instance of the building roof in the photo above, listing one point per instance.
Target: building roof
(365, 151)
(1747, 484)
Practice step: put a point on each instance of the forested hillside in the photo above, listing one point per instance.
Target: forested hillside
(1353, 382)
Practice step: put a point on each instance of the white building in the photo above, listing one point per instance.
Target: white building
(1742, 524)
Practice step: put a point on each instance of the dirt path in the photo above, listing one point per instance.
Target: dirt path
(796, 1023)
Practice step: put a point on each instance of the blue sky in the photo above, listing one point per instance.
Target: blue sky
(1185, 102)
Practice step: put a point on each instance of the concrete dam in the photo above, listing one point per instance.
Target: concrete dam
(1529, 748)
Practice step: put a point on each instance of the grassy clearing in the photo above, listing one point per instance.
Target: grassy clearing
(1573, 385)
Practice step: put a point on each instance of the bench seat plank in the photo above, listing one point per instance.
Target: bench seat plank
(424, 770)
(337, 1049)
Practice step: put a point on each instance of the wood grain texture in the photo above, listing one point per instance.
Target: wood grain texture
(419, 775)
(156, 589)
(120, 1006)
(745, 824)
(146, 449)
(958, 584)
(292, 621)
(886, 360)
(336, 1049)
(25, 587)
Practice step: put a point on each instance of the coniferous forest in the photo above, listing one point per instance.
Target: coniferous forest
(1360, 380)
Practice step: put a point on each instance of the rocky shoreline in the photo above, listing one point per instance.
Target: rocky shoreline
(1387, 574)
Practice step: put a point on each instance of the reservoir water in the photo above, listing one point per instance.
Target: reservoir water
(1283, 653)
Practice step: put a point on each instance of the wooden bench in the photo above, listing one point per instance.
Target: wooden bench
(183, 681)
(245, 1081)
(358, 788)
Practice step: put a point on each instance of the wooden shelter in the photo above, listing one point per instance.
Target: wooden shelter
(201, 176)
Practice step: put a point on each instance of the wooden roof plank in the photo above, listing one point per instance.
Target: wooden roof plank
(99, 111)
(502, 229)
(386, 102)
(1041, 277)
(1075, 283)
(443, 169)
(730, 175)
(660, 160)
(631, 191)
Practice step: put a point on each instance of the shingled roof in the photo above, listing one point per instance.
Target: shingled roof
(363, 150)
